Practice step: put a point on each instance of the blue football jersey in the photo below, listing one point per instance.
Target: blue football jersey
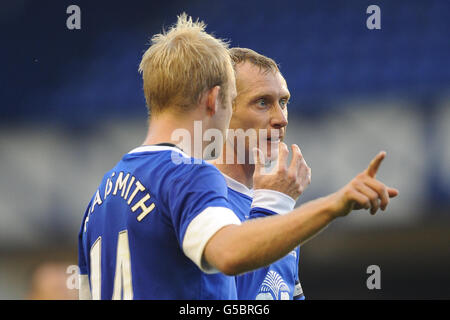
(278, 281)
(146, 226)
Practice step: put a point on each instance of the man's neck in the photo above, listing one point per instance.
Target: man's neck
(167, 128)
(242, 173)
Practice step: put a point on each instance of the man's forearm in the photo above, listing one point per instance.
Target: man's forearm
(259, 242)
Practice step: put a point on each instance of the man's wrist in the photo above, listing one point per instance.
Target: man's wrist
(331, 206)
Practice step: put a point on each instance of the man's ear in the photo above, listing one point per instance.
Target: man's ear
(212, 100)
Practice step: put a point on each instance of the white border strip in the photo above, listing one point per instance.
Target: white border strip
(237, 186)
(84, 292)
(157, 148)
(201, 229)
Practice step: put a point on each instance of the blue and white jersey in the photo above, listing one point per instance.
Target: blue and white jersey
(278, 281)
(145, 228)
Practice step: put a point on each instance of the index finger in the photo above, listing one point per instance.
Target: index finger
(297, 158)
(375, 164)
(283, 153)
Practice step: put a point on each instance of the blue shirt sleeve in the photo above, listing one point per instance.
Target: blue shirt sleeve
(82, 260)
(257, 212)
(194, 188)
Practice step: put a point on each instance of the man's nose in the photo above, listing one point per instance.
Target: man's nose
(279, 118)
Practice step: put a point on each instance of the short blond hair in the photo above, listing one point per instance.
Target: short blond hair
(181, 64)
(241, 55)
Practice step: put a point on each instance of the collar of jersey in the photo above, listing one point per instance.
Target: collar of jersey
(156, 148)
(237, 186)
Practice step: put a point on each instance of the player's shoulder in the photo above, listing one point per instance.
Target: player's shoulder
(172, 163)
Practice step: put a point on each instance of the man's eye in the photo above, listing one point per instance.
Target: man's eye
(283, 103)
(262, 103)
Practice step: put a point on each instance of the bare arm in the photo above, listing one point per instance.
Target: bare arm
(259, 242)
(256, 243)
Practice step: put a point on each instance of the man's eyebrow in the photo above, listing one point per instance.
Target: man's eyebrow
(259, 96)
(286, 92)
(270, 96)
(287, 95)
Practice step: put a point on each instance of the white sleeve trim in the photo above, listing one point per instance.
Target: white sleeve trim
(84, 292)
(201, 229)
(273, 200)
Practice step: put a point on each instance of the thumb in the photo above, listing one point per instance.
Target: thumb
(392, 192)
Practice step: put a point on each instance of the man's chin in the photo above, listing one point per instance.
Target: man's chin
(269, 155)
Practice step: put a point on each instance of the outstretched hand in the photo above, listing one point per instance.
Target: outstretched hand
(364, 191)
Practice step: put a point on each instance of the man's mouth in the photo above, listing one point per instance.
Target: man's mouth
(275, 139)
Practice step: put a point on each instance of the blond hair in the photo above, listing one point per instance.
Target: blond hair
(241, 55)
(181, 64)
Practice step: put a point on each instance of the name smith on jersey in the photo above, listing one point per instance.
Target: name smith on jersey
(128, 191)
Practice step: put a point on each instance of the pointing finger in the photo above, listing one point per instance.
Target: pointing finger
(375, 164)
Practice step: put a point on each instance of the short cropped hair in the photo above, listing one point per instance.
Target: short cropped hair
(241, 55)
(181, 64)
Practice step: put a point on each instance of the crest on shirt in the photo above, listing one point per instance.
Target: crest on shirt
(273, 288)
